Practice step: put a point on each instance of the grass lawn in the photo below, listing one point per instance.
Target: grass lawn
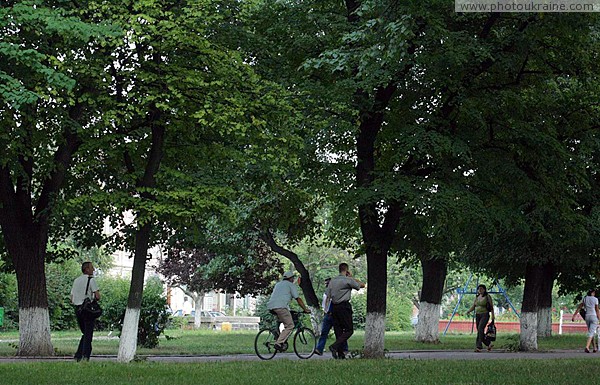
(197, 342)
(526, 372)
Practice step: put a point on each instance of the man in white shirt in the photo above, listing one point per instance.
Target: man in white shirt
(85, 286)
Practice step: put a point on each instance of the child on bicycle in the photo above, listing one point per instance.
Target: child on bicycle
(283, 292)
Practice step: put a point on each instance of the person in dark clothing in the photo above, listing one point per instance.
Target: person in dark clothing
(327, 324)
(339, 291)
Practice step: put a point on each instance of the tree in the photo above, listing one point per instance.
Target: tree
(51, 66)
(184, 120)
(400, 77)
(219, 261)
(529, 170)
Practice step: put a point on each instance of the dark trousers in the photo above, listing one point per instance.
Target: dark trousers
(86, 325)
(342, 325)
(325, 328)
(481, 319)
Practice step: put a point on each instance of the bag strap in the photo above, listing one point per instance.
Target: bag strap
(88, 285)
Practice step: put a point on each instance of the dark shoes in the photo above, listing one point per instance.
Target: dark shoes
(281, 347)
(335, 354)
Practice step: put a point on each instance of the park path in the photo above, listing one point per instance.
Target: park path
(412, 355)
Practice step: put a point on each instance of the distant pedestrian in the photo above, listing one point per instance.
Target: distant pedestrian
(327, 323)
(283, 292)
(339, 291)
(483, 306)
(85, 286)
(592, 314)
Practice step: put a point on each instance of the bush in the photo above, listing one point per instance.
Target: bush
(267, 320)
(359, 310)
(8, 300)
(154, 314)
(398, 312)
(59, 280)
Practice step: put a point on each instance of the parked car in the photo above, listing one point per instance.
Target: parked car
(217, 314)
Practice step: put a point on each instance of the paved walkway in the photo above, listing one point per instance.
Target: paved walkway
(413, 355)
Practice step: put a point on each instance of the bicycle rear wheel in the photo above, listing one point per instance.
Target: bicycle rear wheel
(264, 344)
(304, 343)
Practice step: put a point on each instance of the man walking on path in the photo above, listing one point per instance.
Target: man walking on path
(339, 291)
(85, 286)
(327, 323)
(283, 292)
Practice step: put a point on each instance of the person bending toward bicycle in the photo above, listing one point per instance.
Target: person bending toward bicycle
(283, 292)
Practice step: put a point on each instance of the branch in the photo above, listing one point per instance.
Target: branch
(62, 160)
(305, 282)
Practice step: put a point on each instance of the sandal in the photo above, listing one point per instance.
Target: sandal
(586, 350)
(489, 348)
(477, 350)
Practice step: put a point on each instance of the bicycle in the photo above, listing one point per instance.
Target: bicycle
(304, 342)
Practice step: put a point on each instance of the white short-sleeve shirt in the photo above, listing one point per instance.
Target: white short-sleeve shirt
(78, 293)
(590, 306)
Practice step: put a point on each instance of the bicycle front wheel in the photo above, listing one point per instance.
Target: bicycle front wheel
(264, 344)
(305, 343)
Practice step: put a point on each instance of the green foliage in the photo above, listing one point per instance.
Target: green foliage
(154, 315)
(359, 310)
(59, 281)
(114, 292)
(397, 317)
(398, 313)
(8, 300)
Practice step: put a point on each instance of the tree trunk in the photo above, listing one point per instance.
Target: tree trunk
(129, 334)
(377, 238)
(25, 227)
(376, 305)
(28, 251)
(34, 319)
(128, 341)
(434, 277)
(545, 302)
(544, 320)
(535, 277)
(198, 303)
(528, 336)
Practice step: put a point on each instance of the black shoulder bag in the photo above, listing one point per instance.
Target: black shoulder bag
(490, 334)
(90, 308)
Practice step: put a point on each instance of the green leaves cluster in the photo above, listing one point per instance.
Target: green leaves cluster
(154, 314)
